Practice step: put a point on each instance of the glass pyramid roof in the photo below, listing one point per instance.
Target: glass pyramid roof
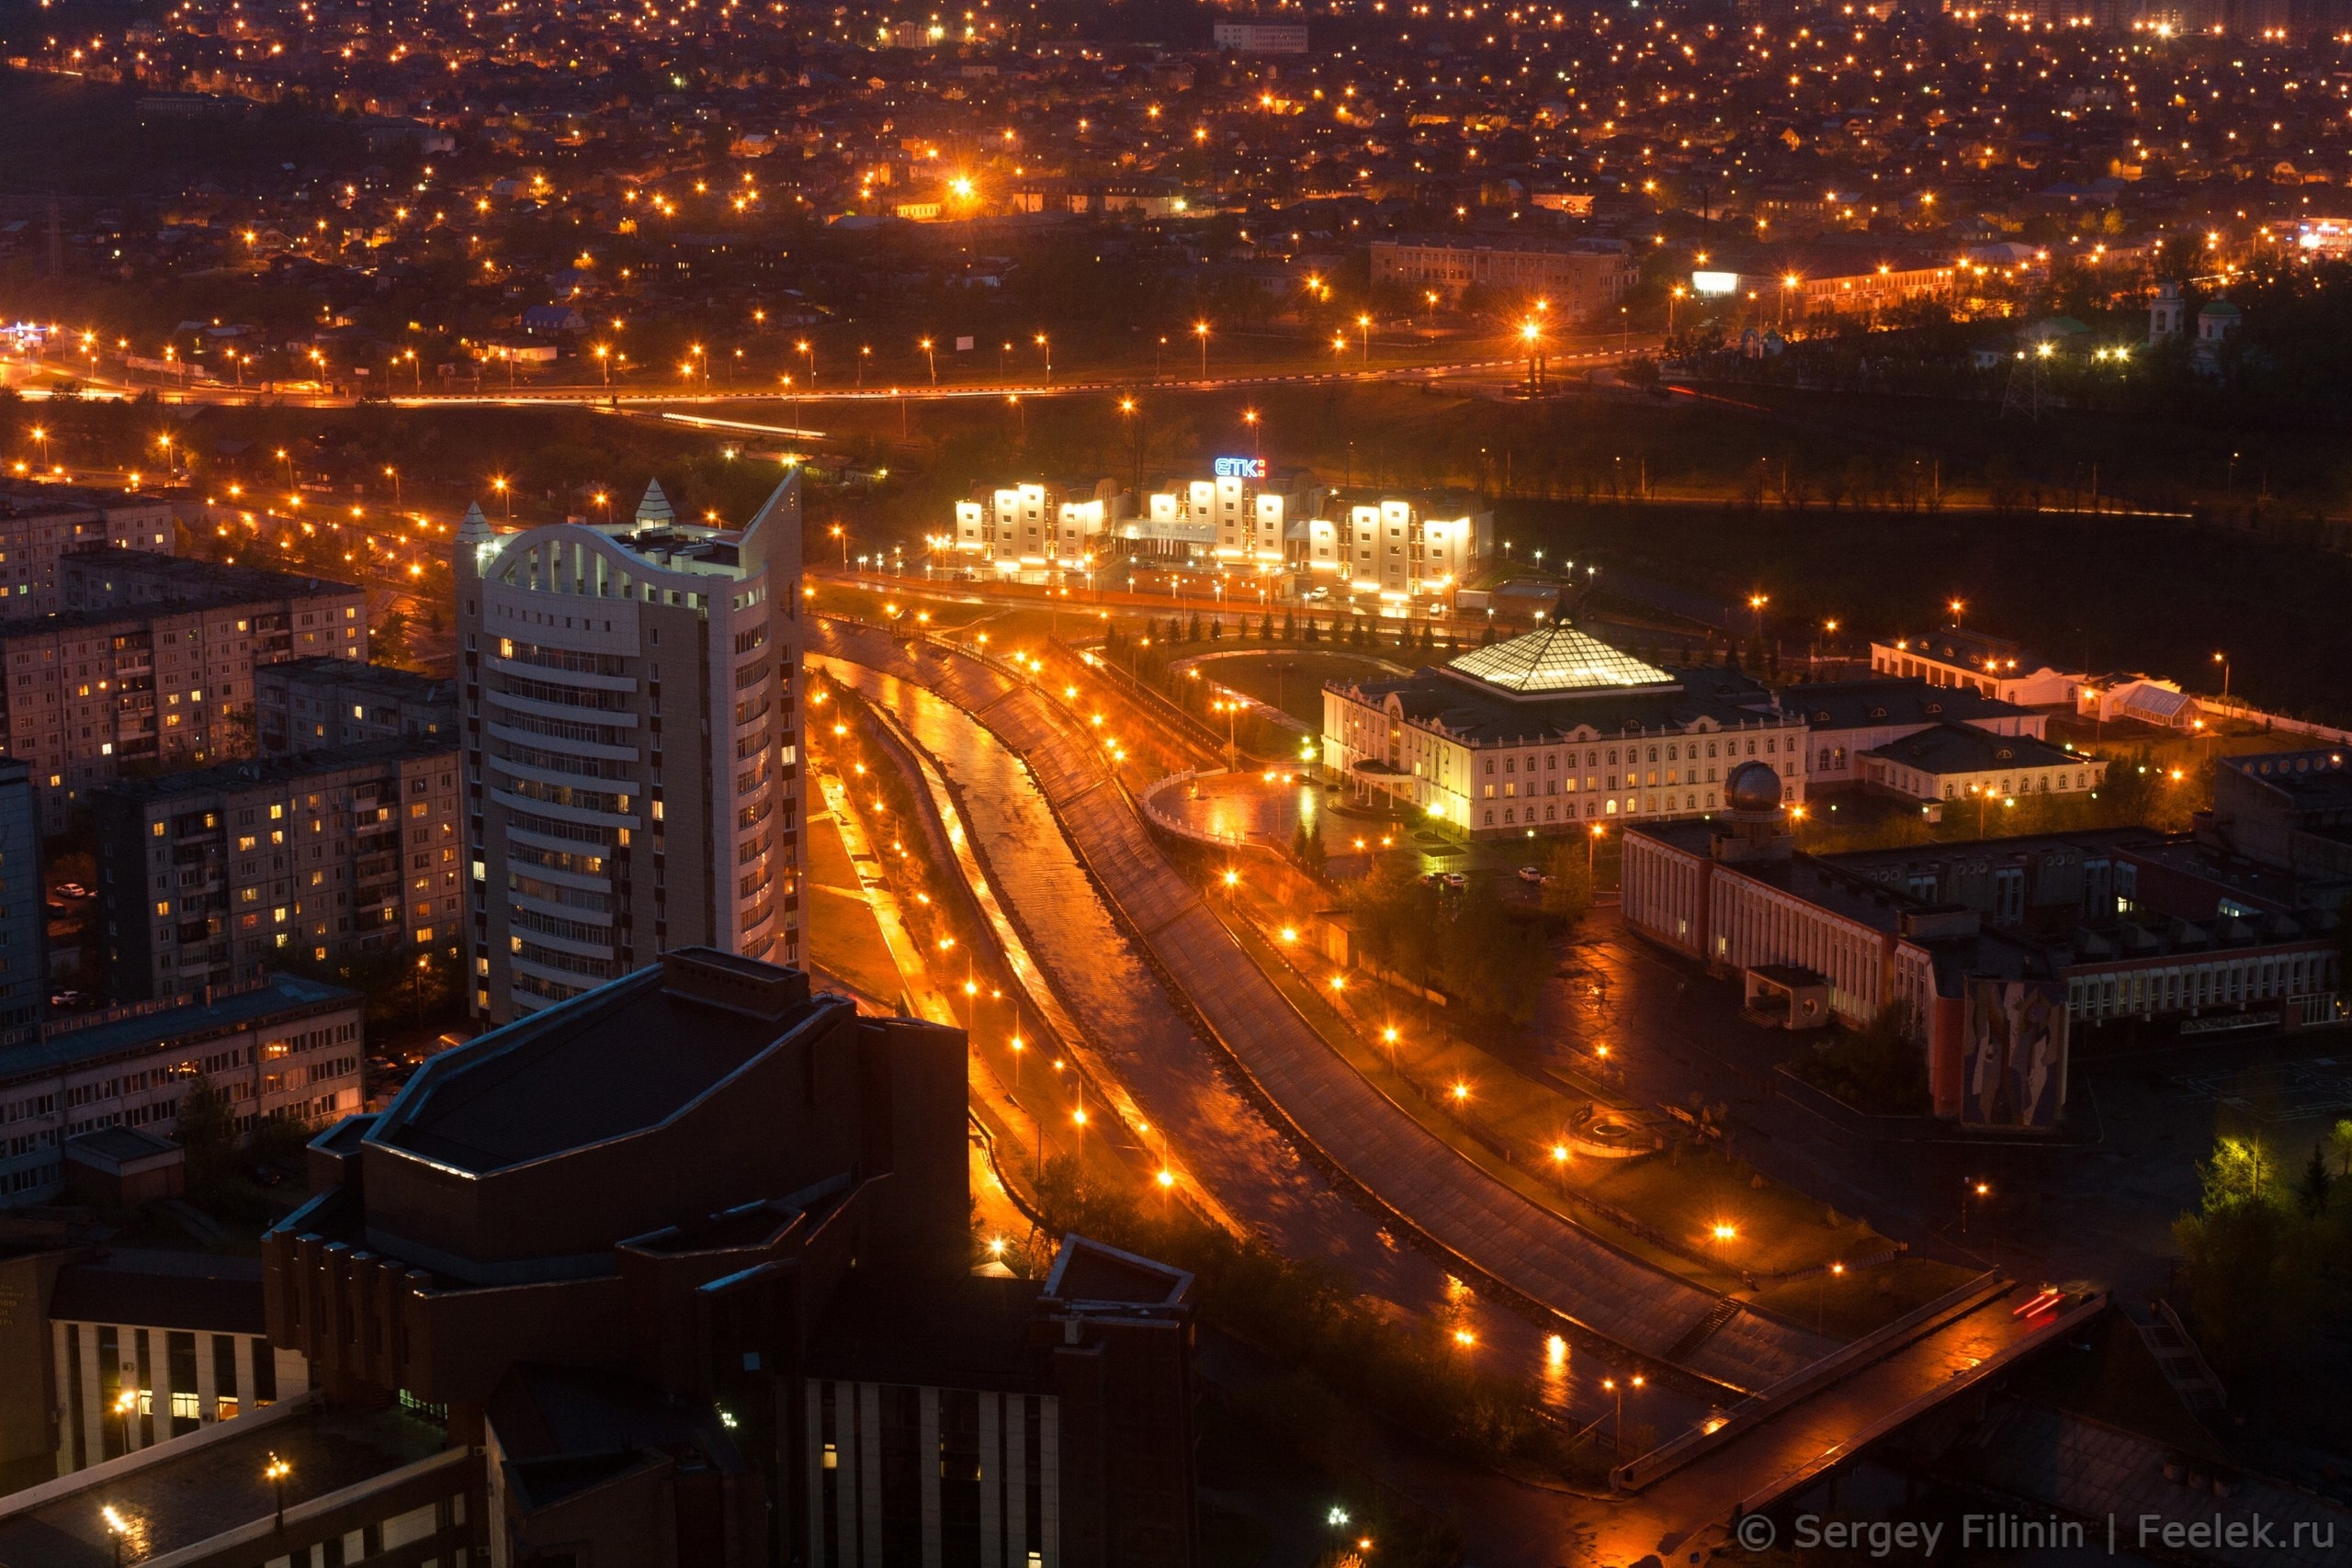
(1556, 661)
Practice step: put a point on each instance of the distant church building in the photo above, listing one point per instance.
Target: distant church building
(2168, 315)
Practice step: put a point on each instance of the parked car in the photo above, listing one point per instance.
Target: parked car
(1456, 881)
(1531, 875)
(71, 890)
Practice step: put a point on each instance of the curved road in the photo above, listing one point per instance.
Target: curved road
(1531, 1252)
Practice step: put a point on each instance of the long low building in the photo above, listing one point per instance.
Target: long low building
(284, 1047)
(1555, 732)
(1998, 951)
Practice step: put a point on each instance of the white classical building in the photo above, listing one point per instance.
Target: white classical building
(1554, 732)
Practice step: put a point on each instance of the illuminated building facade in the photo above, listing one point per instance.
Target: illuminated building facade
(1034, 526)
(1241, 516)
(629, 703)
(1554, 732)
(1396, 547)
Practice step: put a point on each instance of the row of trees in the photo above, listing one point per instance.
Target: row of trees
(2267, 1255)
(1464, 942)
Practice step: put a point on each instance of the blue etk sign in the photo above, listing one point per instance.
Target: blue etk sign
(1241, 467)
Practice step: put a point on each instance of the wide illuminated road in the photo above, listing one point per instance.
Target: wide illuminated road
(1532, 1253)
(39, 380)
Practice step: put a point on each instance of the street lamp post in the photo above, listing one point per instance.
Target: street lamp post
(1046, 346)
(1970, 1188)
(275, 1474)
(1201, 330)
(933, 360)
(2224, 660)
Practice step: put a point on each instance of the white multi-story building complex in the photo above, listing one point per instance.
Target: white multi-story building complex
(1033, 525)
(630, 741)
(1241, 516)
(1555, 732)
(1396, 547)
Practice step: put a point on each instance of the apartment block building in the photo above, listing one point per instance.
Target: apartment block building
(282, 1046)
(1035, 525)
(24, 921)
(39, 524)
(152, 662)
(629, 699)
(205, 876)
(1397, 547)
(315, 704)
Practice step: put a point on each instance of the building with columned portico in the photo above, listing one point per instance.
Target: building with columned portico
(1555, 732)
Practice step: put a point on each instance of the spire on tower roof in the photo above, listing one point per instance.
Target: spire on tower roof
(654, 510)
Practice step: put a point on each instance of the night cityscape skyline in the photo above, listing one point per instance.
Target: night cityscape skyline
(1191, 785)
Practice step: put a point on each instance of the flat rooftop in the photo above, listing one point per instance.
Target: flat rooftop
(123, 1030)
(156, 1289)
(625, 1058)
(48, 500)
(377, 680)
(188, 1494)
(970, 1332)
(254, 773)
(180, 575)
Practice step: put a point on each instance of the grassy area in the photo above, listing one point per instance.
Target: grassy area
(844, 939)
(1292, 678)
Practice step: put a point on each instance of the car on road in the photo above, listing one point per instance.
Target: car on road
(1531, 875)
(1456, 881)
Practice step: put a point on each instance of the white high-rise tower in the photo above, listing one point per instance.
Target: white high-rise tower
(630, 702)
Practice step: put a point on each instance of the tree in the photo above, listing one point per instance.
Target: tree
(208, 1131)
(2311, 1191)
(2240, 1171)
(387, 642)
(1290, 627)
(1568, 882)
(1306, 849)
(1192, 630)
